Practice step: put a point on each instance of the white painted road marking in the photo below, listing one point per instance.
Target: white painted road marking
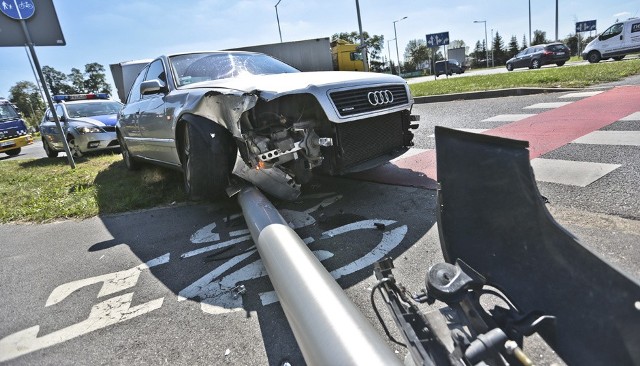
(575, 173)
(547, 105)
(508, 117)
(625, 138)
(581, 94)
(632, 117)
(111, 311)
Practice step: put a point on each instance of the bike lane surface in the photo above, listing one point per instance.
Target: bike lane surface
(545, 132)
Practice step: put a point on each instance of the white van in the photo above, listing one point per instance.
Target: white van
(617, 41)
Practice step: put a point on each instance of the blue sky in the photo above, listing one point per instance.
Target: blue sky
(113, 31)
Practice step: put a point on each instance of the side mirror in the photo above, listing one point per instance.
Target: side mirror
(152, 87)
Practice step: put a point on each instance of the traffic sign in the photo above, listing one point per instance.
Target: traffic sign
(43, 24)
(586, 26)
(437, 39)
(17, 9)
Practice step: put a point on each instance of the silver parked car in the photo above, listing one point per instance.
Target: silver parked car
(216, 115)
(88, 121)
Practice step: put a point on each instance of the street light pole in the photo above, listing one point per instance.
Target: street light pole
(486, 48)
(529, 23)
(363, 46)
(278, 19)
(492, 62)
(397, 52)
(389, 51)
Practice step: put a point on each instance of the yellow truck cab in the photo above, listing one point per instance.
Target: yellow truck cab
(346, 56)
(13, 131)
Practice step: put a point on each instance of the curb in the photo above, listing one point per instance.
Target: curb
(490, 94)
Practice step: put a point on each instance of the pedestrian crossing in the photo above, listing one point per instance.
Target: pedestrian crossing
(567, 172)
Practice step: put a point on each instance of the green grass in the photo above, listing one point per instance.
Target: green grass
(553, 77)
(47, 189)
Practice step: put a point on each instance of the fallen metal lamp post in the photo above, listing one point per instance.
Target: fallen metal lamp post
(328, 327)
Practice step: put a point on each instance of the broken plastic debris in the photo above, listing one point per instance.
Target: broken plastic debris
(227, 352)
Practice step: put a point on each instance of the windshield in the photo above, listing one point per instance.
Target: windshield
(7, 112)
(76, 110)
(193, 68)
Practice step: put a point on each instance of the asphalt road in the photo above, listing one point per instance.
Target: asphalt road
(143, 288)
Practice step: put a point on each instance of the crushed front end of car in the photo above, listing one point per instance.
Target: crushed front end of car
(349, 122)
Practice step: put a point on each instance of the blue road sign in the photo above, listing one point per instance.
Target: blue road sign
(586, 26)
(437, 39)
(17, 9)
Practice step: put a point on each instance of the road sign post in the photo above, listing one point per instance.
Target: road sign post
(22, 11)
(586, 26)
(437, 40)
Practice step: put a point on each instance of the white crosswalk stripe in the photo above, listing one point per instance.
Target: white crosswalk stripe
(547, 105)
(624, 138)
(581, 94)
(632, 117)
(574, 173)
(508, 117)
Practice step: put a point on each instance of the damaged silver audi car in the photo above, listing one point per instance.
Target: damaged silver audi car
(221, 115)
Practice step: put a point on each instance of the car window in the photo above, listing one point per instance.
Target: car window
(77, 110)
(134, 93)
(156, 72)
(612, 31)
(7, 112)
(59, 111)
(197, 67)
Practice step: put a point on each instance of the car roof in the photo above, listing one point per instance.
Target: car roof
(220, 52)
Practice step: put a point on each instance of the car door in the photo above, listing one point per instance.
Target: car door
(155, 124)
(522, 58)
(129, 115)
(611, 40)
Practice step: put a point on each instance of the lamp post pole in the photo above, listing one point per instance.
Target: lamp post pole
(529, 23)
(492, 62)
(389, 51)
(278, 19)
(486, 46)
(397, 52)
(363, 46)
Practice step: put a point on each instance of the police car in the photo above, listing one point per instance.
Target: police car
(88, 121)
(13, 131)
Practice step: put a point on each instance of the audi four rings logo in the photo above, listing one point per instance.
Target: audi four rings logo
(380, 97)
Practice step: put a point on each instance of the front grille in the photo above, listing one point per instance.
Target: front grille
(356, 101)
(366, 139)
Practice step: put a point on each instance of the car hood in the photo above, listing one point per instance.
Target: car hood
(104, 120)
(272, 86)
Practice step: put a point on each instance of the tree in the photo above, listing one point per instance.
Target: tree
(417, 55)
(77, 81)
(539, 37)
(479, 54)
(457, 43)
(524, 42)
(56, 80)
(26, 96)
(499, 54)
(373, 43)
(513, 47)
(96, 81)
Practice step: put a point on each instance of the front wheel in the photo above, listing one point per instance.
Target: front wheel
(206, 156)
(509, 67)
(13, 152)
(48, 150)
(535, 64)
(73, 148)
(560, 63)
(129, 161)
(593, 57)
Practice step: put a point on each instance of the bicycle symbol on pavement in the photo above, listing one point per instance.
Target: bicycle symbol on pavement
(217, 291)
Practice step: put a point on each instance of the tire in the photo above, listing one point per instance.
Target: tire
(509, 67)
(13, 152)
(560, 63)
(206, 162)
(593, 57)
(535, 64)
(48, 150)
(129, 161)
(618, 58)
(73, 148)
